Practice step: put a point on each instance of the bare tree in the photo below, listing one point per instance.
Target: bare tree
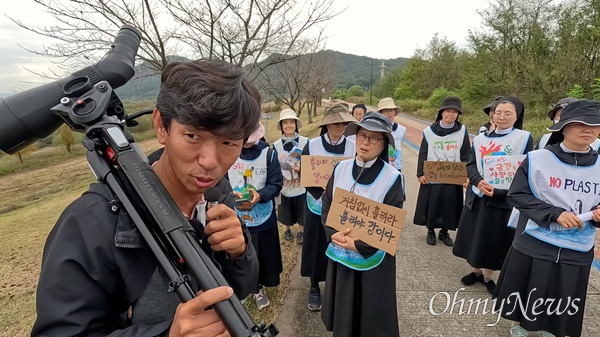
(243, 32)
(301, 81)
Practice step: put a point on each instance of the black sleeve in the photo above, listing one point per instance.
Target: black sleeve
(522, 198)
(274, 182)
(326, 203)
(423, 152)
(79, 281)
(394, 197)
(466, 146)
(474, 176)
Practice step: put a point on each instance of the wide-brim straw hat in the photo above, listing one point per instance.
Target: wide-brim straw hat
(337, 113)
(388, 103)
(289, 114)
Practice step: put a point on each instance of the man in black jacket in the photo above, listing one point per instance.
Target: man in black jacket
(99, 278)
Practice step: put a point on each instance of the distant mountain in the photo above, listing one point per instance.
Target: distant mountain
(356, 70)
(353, 70)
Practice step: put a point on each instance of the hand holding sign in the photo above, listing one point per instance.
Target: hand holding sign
(569, 220)
(344, 240)
(374, 223)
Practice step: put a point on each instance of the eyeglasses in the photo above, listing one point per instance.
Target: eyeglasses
(505, 114)
(361, 137)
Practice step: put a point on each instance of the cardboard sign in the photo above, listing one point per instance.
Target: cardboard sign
(372, 222)
(445, 172)
(315, 171)
(499, 171)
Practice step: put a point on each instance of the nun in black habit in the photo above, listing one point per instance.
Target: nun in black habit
(440, 205)
(360, 290)
(332, 142)
(483, 238)
(552, 253)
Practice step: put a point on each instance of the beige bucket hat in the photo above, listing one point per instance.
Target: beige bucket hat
(338, 112)
(388, 103)
(289, 114)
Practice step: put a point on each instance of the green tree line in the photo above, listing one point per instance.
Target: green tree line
(537, 50)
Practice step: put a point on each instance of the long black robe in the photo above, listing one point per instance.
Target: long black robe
(362, 303)
(483, 238)
(314, 245)
(440, 205)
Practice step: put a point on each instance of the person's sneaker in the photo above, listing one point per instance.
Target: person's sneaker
(288, 235)
(261, 299)
(431, 238)
(543, 333)
(470, 279)
(300, 237)
(445, 238)
(314, 299)
(518, 331)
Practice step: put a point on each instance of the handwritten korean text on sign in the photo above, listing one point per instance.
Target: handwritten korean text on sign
(499, 171)
(445, 172)
(316, 170)
(372, 222)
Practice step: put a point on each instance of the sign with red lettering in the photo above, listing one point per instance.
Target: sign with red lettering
(315, 171)
(499, 171)
(377, 224)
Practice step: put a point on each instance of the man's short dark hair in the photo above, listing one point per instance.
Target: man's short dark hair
(210, 95)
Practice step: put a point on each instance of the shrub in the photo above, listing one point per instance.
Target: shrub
(438, 95)
(355, 90)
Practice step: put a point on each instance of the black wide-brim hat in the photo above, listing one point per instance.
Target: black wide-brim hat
(560, 104)
(373, 121)
(451, 102)
(580, 111)
(491, 106)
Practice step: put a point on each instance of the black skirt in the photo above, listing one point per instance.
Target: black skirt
(439, 206)
(268, 251)
(560, 290)
(314, 260)
(361, 303)
(291, 210)
(483, 238)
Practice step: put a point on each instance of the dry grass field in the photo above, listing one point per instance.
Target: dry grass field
(30, 203)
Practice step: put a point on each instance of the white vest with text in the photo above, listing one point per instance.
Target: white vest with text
(315, 148)
(291, 178)
(513, 143)
(395, 154)
(251, 174)
(446, 148)
(573, 188)
(375, 191)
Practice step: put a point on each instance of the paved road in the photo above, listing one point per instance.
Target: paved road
(424, 272)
